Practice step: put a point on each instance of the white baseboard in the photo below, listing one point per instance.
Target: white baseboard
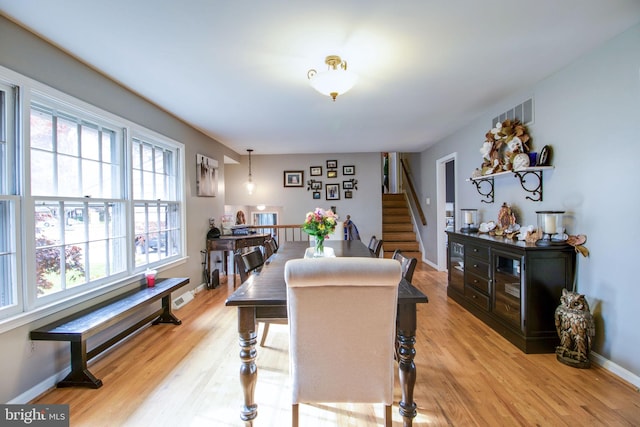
(39, 389)
(616, 369)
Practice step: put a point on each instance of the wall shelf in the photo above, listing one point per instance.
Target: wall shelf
(485, 185)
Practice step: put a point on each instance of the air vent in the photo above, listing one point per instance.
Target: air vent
(522, 112)
(182, 300)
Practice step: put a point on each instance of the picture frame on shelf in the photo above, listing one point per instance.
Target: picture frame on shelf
(348, 170)
(315, 171)
(332, 191)
(332, 174)
(293, 178)
(332, 164)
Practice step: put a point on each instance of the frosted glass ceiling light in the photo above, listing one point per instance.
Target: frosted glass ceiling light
(337, 80)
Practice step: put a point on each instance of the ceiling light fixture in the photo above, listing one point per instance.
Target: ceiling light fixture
(337, 80)
(249, 184)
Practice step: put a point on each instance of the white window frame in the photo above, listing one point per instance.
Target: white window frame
(30, 307)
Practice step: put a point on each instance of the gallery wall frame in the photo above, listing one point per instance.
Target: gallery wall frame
(315, 171)
(332, 191)
(293, 178)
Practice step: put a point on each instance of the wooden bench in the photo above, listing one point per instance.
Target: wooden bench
(78, 327)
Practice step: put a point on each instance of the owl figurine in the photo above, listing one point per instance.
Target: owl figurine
(575, 326)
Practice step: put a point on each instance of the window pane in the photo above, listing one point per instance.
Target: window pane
(41, 130)
(8, 286)
(90, 142)
(68, 173)
(91, 179)
(42, 173)
(67, 134)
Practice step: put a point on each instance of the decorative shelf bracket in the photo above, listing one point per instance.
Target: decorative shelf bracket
(535, 189)
(488, 193)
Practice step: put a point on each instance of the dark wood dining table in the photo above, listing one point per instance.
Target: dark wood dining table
(264, 296)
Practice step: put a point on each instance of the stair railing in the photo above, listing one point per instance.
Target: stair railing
(412, 193)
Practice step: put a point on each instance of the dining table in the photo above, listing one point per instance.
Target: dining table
(263, 296)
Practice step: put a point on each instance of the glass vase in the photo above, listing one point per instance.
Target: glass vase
(319, 248)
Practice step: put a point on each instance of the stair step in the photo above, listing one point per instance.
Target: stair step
(403, 246)
(395, 211)
(399, 236)
(410, 254)
(393, 196)
(394, 204)
(404, 226)
(395, 219)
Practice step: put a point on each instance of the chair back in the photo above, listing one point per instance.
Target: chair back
(408, 264)
(342, 316)
(375, 246)
(247, 262)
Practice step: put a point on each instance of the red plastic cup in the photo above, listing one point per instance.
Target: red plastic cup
(151, 278)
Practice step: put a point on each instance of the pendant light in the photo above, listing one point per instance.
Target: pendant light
(249, 184)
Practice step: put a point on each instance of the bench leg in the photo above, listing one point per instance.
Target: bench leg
(80, 375)
(167, 316)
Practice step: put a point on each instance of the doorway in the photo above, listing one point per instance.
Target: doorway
(446, 204)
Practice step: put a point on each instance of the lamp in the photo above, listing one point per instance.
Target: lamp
(335, 81)
(249, 184)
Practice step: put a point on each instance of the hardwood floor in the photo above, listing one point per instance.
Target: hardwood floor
(467, 376)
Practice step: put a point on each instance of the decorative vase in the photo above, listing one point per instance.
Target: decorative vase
(319, 249)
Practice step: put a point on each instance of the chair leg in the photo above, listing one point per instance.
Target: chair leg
(294, 415)
(388, 419)
(265, 331)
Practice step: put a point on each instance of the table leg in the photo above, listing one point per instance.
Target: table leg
(407, 323)
(248, 370)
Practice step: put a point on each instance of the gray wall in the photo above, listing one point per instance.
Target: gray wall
(24, 53)
(589, 113)
(365, 207)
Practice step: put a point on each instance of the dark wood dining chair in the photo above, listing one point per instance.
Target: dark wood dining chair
(375, 246)
(408, 264)
(247, 262)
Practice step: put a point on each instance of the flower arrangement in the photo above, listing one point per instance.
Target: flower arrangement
(320, 223)
(502, 144)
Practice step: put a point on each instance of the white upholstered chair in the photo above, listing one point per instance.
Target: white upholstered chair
(342, 317)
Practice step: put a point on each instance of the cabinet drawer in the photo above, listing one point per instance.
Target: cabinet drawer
(477, 251)
(477, 267)
(477, 298)
(477, 282)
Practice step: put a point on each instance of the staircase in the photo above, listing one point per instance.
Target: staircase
(397, 228)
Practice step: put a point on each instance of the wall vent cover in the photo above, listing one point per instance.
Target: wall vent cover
(522, 112)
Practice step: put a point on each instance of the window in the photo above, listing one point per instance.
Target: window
(156, 207)
(9, 204)
(80, 190)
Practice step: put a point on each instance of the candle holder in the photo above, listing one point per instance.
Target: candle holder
(469, 217)
(550, 228)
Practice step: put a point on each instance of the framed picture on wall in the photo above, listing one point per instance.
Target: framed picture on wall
(332, 174)
(347, 185)
(332, 164)
(348, 194)
(293, 178)
(332, 191)
(207, 176)
(317, 195)
(349, 170)
(315, 171)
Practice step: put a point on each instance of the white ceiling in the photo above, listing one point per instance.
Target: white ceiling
(237, 70)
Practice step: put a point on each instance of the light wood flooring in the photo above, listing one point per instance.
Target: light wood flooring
(467, 376)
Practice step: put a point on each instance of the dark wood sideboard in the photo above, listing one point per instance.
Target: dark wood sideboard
(512, 286)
